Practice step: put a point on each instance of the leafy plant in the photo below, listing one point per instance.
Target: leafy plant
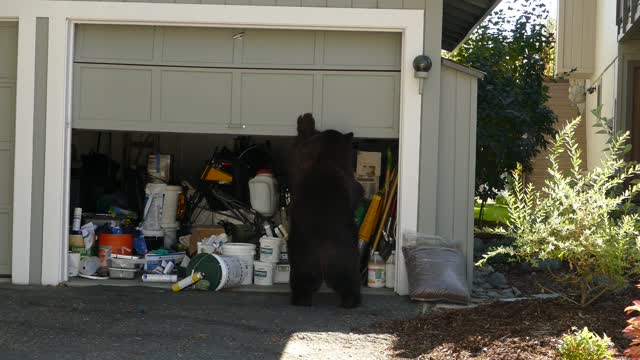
(632, 331)
(585, 219)
(584, 345)
(513, 120)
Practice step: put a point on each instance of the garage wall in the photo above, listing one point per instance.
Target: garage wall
(456, 157)
(8, 62)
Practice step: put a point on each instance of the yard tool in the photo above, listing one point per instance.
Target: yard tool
(387, 207)
(369, 223)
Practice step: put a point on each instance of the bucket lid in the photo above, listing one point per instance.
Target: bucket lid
(209, 265)
(153, 233)
(264, 172)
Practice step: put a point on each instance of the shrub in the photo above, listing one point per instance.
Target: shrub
(633, 330)
(584, 345)
(585, 219)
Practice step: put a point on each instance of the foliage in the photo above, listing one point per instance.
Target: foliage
(632, 331)
(585, 219)
(513, 120)
(493, 213)
(584, 345)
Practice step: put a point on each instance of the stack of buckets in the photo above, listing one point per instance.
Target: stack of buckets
(160, 226)
(272, 251)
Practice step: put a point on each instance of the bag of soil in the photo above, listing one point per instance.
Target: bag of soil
(436, 273)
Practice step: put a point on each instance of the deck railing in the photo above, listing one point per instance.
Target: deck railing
(626, 15)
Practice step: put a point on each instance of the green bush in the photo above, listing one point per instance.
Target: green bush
(583, 218)
(584, 345)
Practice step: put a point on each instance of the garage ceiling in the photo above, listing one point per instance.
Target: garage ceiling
(461, 17)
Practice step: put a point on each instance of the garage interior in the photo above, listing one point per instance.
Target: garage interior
(212, 101)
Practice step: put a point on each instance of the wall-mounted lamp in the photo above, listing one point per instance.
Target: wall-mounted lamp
(422, 64)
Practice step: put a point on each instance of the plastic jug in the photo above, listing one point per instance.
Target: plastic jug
(376, 267)
(263, 191)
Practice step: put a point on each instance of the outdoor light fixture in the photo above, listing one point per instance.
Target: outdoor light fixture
(422, 64)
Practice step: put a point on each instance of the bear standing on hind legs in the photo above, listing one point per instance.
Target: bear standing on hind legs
(323, 244)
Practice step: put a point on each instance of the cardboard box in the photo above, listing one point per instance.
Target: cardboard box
(201, 232)
(369, 164)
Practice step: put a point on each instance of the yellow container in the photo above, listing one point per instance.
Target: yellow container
(370, 220)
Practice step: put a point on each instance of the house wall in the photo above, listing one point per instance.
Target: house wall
(604, 79)
(560, 104)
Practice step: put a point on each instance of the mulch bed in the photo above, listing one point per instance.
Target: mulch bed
(520, 330)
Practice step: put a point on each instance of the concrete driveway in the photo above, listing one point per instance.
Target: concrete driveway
(101, 322)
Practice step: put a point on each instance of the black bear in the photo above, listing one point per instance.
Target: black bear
(323, 244)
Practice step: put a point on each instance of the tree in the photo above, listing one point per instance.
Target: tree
(513, 49)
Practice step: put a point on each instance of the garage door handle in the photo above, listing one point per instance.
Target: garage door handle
(236, 126)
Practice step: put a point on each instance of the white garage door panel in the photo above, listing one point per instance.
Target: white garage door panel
(360, 102)
(279, 47)
(5, 241)
(8, 50)
(350, 48)
(105, 43)
(6, 178)
(7, 97)
(191, 45)
(275, 99)
(113, 94)
(196, 97)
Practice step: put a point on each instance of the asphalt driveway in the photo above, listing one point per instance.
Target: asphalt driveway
(102, 322)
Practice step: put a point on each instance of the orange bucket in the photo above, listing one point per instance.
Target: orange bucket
(121, 244)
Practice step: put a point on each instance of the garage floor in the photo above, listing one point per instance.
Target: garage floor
(145, 323)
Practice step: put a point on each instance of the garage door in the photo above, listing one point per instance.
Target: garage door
(247, 81)
(8, 56)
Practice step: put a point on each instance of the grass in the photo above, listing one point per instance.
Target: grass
(492, 213)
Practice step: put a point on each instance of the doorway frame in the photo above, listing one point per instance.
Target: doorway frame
(64, 15)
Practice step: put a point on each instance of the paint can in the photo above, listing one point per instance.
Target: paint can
(263, 273)
(220, 270)
(284, 253)
(73, 264)
(270, 249)
(245, 252)
(283, 272)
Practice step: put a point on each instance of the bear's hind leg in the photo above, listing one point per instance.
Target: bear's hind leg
(304, 282)
(345, 280)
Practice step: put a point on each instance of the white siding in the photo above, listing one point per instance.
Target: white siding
(456, 159)
(575, 34)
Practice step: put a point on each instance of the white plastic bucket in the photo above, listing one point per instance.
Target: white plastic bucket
(73, 264)
(232, 271)
(170, 234)
(170, 204)
(244, 252)
(270, 249)
(263, 273)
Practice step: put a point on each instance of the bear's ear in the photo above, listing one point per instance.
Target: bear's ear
(348, 136)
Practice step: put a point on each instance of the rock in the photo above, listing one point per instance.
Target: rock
(516, 292)
(507, 293)
(549, 264)
(497, 279)
(546, 296)
(487, 286)
(485, 270)
(493, 294)
(454, 306)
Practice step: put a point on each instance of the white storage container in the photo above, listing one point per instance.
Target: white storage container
(126, 262)
(115, 273)
(283, 273)
(244, 252)
(263, 191)
(270, 249)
